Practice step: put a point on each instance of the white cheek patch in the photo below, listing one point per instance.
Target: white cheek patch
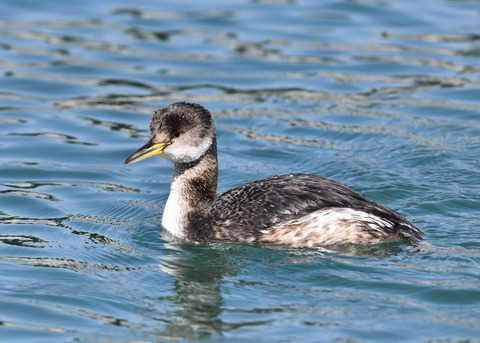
(179, 152)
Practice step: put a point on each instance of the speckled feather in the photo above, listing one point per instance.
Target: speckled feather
(248, 211)
(295, 209)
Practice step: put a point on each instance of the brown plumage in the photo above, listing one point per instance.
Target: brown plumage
(294, 209)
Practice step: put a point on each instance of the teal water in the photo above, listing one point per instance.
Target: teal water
(381, 95)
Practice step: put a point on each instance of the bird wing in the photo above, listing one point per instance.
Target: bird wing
(261, 204)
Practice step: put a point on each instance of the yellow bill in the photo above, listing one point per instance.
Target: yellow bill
(148, 150)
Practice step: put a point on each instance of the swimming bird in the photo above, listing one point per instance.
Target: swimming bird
(293, 209)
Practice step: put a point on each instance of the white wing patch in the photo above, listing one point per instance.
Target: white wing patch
(331, 226)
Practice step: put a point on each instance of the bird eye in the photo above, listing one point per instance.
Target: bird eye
(177, 134)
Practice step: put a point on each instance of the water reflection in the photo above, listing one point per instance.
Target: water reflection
(201, 272)
(366, 91)
(66, 138)
(22, 240)
(48, 39)
(131, 130)
(198, 280)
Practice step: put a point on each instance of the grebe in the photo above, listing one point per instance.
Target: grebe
(294, 209)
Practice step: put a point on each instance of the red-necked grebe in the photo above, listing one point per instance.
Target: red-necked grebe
(294, 209)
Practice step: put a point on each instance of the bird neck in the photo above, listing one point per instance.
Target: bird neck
(193, 188)
(199, 178)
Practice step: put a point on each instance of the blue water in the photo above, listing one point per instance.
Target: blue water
(382, 95)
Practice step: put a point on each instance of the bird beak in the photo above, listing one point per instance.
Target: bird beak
(148, 150)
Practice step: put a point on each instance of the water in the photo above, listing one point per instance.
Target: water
(380, 95)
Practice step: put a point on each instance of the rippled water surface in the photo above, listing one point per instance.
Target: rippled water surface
(381, 95)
